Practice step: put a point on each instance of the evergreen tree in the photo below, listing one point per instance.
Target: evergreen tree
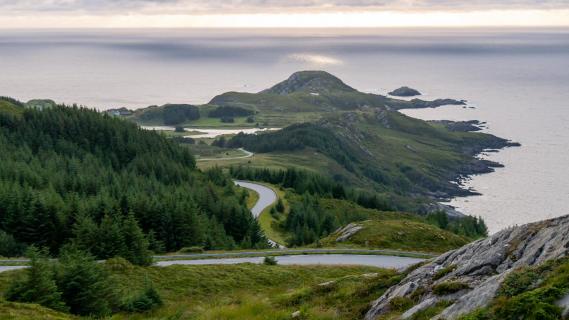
(38, 285)
(136, 242)
(85, 286)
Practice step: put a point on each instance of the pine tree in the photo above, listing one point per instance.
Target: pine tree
(84, 284)
(136, 242)
(39, 285)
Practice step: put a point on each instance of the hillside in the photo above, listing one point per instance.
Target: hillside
(517, 273)
(403, 235)
(316, 92)
(72, 175)
(384, 149)
(245, 291)
(304, 96)
(168, 114)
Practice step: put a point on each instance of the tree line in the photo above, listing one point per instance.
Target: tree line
(73, 175)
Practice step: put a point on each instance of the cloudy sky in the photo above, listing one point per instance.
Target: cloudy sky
(281, 13)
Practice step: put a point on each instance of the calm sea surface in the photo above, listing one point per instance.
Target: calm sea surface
(517, 80)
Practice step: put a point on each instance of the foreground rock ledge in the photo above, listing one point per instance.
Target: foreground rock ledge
(482, 265)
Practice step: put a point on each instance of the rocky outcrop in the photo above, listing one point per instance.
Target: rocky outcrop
(347, 232)
(404, 92)
(418, 103)
(482, 265)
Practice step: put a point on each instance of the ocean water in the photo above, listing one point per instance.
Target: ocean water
(517, 80)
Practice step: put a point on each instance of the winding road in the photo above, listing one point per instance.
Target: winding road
(248, 154)
(266, 198)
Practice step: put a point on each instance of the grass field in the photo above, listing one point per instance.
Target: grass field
(399, 235)
(244, 291)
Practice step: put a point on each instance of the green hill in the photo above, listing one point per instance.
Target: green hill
(382, 149)
(9, 106)
(168, 114)
(69, 174)
(305, 95)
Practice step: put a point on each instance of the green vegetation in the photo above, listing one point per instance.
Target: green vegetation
(243, 291)
(443, 272)
(392, 153)
(404, 235)
(75, 284)
(449, 287)
(529, 293)
(326, 205)
(221, 112)
(169, 114)
(72, 175)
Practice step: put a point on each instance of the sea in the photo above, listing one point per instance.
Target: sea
(515, 80)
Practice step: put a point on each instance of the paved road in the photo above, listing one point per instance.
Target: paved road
(266, 198)
(248, 154)
(312, 259)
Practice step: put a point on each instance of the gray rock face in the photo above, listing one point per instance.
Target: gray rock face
(483, 265)
(348, 231)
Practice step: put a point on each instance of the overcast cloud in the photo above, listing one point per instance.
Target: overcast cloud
(261, 6)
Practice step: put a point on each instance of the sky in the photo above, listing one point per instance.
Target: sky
(281, 13)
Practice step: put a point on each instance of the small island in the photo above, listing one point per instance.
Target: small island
(405, 92)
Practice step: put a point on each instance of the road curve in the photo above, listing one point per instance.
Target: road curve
(248, 154)
(266, 196)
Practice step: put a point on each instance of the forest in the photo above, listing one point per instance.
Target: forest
(308, 221)
(171, 114)
(230, 112)
(70, 175)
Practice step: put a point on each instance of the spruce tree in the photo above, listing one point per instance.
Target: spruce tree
(38, 285)
(85, 285)
(136, 242)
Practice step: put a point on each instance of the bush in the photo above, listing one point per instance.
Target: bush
(270, 261)
(118, 264)
(227, 119)
(449, 287)
(191, 250)
(147, 300)
(401, 304)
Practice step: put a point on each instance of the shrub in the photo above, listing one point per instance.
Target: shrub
(401, 304)
(270, 261)
(444, 271)
(147, 300)
(191, 250)
(449, 287)
(118, 264)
